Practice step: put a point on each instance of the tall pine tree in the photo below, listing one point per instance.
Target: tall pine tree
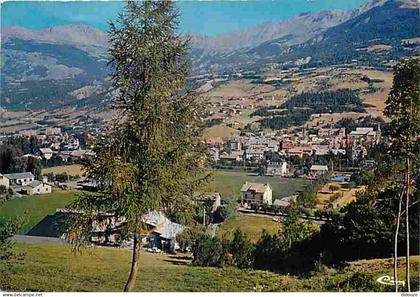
(403, 108)
(153, 157)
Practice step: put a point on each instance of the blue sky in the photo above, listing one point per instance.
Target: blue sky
(202, 17)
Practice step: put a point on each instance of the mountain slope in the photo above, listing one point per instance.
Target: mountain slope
(292, 31)
(75, 34)
(385, 23)
(299, 29)
(45, 68)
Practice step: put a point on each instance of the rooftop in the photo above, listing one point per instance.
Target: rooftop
(319, 167)
(46, 150)
(20, 175)
(363, 131)
(255, 187)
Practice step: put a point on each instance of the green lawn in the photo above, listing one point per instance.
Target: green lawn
(250, 225)
(73, 170)
(49, 267)
(35, 208)
(229, 183)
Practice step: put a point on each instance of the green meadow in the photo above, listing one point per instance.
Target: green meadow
(35, 208)
(50, 267)
(228, 183)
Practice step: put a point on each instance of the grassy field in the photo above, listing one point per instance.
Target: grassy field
(49, 267)
(239, 88)
(229, 183)
(220, 131)
(74, 169)
(35, 208)
(250, 225)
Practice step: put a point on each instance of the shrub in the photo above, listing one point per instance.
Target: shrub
(307, 198)
(242, 250)
(220, 214)
(268, 251)
(359, 282)
(186, 238)
(209, 251)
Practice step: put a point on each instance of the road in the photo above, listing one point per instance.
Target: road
(271, 215)
(38, 239)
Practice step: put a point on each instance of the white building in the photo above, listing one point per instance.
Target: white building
(317, 170)
(4, 181)
(38, 188)
(365, 135)
(52, 131)
(277, 168)
(214, 153)
(257, 193)
(22, 179)
(254, 154)
(47, 153)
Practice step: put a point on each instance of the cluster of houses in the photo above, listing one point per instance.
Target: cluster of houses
(272, 150)
(53, 143)
(25, 183)
(53, 138)
(240, 150)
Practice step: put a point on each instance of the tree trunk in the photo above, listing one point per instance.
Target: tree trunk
(134, 265)
(397, 229)
(407, 228)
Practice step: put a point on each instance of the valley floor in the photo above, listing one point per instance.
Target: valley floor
(51, 267)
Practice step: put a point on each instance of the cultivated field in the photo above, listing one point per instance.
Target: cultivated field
(74, 169)
(239, 88)
(340, 197)
(49, 267)
(220, 131)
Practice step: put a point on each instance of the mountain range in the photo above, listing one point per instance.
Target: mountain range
(66, 65)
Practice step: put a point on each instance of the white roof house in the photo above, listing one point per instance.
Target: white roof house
(363, 131)
(47, 153)
(319, 168)
(165, 227)
(38, 188)
(21, 178)
(285, 201)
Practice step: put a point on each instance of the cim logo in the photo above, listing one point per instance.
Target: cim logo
(388, 280)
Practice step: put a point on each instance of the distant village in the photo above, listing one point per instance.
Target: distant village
(273, 151)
